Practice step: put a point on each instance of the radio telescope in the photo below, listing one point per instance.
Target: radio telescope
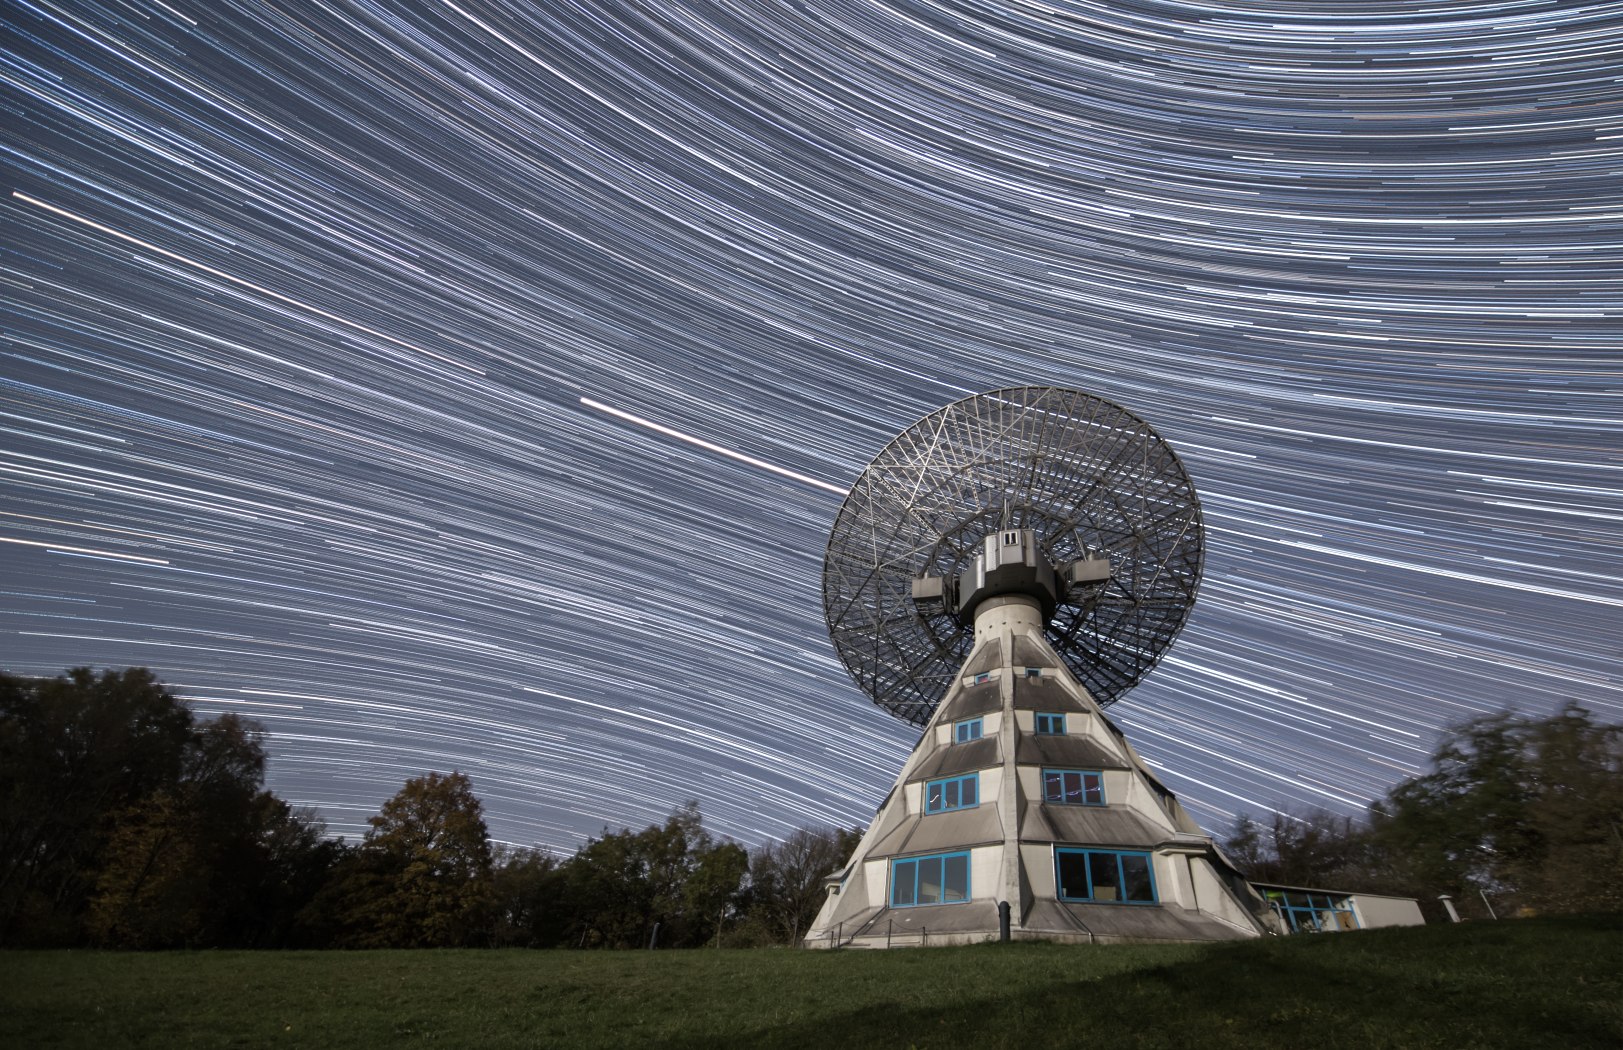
(1004, 569)
(1113, 513)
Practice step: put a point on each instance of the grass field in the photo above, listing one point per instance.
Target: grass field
(1531, 983)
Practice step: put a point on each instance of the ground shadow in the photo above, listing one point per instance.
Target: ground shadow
(1354, 991)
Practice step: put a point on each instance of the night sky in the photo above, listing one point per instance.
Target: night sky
(302, 302)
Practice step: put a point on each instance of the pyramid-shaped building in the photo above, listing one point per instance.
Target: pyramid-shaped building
(1021, 792)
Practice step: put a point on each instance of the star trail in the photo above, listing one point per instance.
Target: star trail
(466, 385)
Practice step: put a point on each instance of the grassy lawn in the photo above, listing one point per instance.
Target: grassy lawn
(1530, 983)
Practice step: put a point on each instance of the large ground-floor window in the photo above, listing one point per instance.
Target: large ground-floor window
(1306, 912)
(1104, 876)
(941, 879)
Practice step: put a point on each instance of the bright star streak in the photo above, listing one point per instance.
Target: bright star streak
(710, 446)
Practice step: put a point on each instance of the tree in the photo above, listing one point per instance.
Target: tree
(212, 859)
(152, 889)
(675, 876)
(1247, 848)
(228, 812)
(1527, 810)
(1578, 818)
(126, 821)
(786, 878)
(528, 891)
(428, 859)
(1312, 847)
(76, 751)
(710, 895)
(296, 860)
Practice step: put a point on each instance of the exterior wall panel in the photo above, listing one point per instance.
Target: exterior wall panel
(1373, 911)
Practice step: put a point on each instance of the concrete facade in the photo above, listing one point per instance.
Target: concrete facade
(1068, 799)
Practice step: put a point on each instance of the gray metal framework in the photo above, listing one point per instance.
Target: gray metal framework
(1087, 476)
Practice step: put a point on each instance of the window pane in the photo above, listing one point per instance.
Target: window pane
(1093, 789)
(1073, 876)
(1073, 789)
(1106, 879)
(1136, 883)
(971, 789)
(952, 794)
(902, 881)
(929, 880)
(1052, 791)
(932, 797)
(957, 878)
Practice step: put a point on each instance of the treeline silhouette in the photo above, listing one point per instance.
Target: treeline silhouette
(1518, 816)
(126, 822)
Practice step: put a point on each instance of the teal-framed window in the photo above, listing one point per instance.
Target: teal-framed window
(939, 879)
(952, 793)
(1034, 672)
(1050, 724)
(1074, 787)
(1104, 876)
(967, 730)
(1306, 912)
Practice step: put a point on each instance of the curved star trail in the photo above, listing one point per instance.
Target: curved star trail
(312, 312)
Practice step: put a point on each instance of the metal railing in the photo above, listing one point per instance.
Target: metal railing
(836, 937)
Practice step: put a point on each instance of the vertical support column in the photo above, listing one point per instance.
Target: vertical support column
(1008, 616)
(1009, 797)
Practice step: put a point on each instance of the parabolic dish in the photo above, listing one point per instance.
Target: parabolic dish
(1087, 476)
